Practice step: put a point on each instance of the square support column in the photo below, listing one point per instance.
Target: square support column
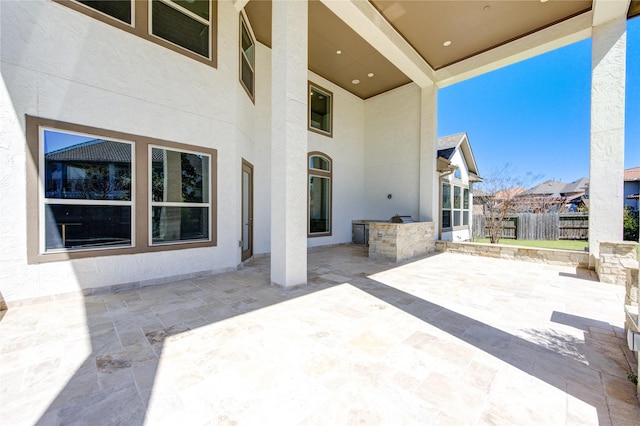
(429, 181)
(606, 164)
(289, 143)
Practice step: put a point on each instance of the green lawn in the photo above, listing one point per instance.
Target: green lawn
(559, 244)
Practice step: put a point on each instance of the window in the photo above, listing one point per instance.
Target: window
(465, 207)
(87, 186)
(179, 196)
(182, 22)
(320, 174)
(446, 205)
(185, 26)
(455, 207)
(247, 59)
(119, 9)
(94, 192)
(320, 110)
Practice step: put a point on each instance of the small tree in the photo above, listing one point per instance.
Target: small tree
(630, 225)
(499, 194)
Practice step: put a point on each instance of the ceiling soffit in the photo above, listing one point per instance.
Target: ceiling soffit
(471, 27)
(328, 34)
(634, 9)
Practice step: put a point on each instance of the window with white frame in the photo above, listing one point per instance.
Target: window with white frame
(180, 196)
(454, 206)
(185, 26)
(446, 205)
(320, 177)
(320, 110)
(247, 59)
(95, 192)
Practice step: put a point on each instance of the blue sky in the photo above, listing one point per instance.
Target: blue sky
(535, 115)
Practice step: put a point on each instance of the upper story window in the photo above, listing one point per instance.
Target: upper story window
(185, 26)
(183, 22)
(95, 192)
(457, 173)
(119, 9)
(320, 183)
(320, 110)
(247, 59)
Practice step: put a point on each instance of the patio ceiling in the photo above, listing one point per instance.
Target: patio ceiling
(432, 34)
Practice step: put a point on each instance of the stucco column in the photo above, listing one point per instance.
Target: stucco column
(289, 143)
(429, 194)
(608, 56)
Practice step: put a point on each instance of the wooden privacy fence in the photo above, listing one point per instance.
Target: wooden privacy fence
(538, 226)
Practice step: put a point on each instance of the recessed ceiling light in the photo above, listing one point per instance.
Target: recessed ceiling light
(370, 75)
(356, 81)
(447, 43)
(486, 8)
(543, 1)
(338, 52)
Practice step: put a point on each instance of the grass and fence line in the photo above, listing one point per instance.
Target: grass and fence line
(537, 226)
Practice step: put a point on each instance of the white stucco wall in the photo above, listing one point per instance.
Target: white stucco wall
(392, 153)
(60, 64)
(346, 148)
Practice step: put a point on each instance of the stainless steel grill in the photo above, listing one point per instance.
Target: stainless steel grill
(401, 219)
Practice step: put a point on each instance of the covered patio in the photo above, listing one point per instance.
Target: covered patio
(444, 339)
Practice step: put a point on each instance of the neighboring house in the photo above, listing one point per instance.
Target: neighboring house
(458, 172)
(557, 196)
(249, 127)
(632, 188)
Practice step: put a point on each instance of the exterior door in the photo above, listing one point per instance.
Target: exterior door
(247, 210)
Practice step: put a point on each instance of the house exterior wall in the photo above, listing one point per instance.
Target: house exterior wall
(59, 64)
(457, 159)
(392, 153)
(346, 149)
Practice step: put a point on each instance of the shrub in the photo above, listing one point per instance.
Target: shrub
(630, 225)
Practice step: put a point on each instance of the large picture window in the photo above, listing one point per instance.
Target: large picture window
(185, 26)
(320, 110)
(179, 196)
(320, 177)
(95, 192)
(87, 191)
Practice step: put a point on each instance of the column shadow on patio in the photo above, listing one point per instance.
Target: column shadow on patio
(128, 331)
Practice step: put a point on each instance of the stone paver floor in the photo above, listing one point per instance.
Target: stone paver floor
(447, 339)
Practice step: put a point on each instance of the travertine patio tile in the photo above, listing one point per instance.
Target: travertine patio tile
(446, 339)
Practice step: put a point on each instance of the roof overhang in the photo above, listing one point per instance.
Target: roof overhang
(384, 44)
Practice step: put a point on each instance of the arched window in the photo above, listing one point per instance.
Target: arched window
(320, 173)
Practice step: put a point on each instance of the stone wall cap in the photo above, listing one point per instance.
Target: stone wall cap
(630, 264)
(619, 243)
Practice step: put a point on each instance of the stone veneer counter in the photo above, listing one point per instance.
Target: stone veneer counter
(400, 241)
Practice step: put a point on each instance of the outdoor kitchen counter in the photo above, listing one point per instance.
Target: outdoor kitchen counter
(400, 241)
